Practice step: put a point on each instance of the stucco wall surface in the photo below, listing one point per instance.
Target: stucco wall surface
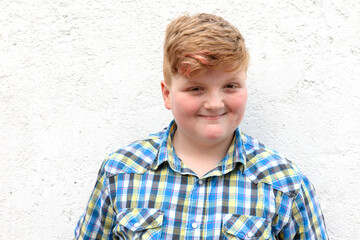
(79, 79)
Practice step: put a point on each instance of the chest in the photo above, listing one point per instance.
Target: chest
(175, 206)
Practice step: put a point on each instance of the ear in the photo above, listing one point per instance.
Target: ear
(165, 90)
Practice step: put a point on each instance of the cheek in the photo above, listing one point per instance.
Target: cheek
(239, 104)
(184, 106)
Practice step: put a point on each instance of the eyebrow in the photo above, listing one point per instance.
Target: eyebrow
(233, 78)
(190, 81)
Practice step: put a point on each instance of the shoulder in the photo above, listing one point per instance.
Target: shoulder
(266, 165)
(136, 157)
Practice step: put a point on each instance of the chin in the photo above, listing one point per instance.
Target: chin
(215, 136)
(216, 132)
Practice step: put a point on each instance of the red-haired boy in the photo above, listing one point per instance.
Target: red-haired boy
(202, 178)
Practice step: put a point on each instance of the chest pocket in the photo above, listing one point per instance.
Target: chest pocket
(245, 227)
(139, 223)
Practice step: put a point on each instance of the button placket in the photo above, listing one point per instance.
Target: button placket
(196, 211)
(199, 206)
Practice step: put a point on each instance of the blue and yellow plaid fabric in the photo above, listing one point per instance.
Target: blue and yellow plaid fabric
(144, 191)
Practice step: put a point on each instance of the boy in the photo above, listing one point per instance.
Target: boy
(201, 178)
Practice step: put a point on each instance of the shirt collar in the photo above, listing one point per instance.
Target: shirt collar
(236, 154)
(163, 152)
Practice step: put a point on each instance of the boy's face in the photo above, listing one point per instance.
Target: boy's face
(207, 108)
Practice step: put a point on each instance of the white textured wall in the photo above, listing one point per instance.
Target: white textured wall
(79, 79)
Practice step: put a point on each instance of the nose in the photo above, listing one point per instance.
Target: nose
(214, 101)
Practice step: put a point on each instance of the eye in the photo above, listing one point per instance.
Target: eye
(195, 89)
(231, 86)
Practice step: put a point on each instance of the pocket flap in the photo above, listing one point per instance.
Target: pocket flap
(139, 219)
(246, 227)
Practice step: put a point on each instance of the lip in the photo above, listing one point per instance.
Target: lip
(212, 117)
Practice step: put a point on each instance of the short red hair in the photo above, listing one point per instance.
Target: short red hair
(194, 44)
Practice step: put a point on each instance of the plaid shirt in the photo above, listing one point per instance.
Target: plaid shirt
(144, 191)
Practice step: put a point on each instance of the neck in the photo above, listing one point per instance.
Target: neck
(200, 157)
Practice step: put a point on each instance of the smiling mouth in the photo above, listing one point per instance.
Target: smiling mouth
(212, 117)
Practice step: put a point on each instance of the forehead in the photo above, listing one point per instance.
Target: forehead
(223, 74)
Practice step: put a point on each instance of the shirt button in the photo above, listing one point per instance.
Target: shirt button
(194, 225)
(249, 234)
(137, 225)
(200, 182)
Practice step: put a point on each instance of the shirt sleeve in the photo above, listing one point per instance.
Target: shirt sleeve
(99, 217)
(307, 220)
